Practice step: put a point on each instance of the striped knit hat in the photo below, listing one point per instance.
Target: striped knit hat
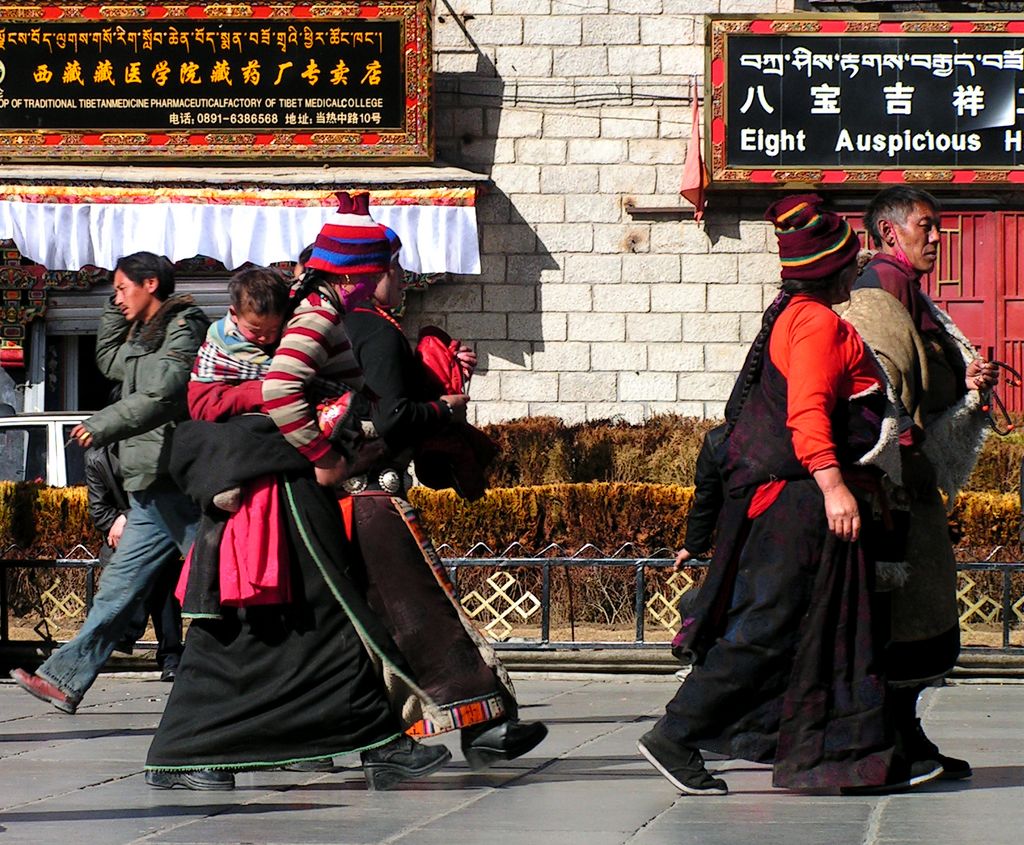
(813, 243)
(351, 242)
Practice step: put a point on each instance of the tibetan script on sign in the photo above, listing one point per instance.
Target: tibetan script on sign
(857, 100)
(234, 81)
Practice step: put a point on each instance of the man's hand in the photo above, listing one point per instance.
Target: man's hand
(981, 375)
(116, 530)
(82, 436)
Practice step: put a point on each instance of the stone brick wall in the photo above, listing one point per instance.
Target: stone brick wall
(575, 110)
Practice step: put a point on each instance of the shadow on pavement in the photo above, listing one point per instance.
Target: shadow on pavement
(57, 736)
(160, 811)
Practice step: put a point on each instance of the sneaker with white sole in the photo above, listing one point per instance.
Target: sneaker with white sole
(682, 767)
(903, 776)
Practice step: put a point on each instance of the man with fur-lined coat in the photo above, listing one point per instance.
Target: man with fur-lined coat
(940, 380)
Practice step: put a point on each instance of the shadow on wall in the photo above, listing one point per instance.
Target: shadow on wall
(496, 311)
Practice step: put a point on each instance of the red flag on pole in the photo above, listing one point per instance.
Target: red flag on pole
(695, 174)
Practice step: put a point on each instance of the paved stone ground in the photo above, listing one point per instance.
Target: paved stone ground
(77, 779)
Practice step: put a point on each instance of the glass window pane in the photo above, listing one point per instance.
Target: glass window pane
(74, 458)
(23, 453)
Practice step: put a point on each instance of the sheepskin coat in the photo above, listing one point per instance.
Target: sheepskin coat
(926, 369)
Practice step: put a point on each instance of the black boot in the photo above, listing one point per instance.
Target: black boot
(492, 742)
(400, 760)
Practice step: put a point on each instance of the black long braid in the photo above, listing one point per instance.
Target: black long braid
(752, 366)
(308, 282)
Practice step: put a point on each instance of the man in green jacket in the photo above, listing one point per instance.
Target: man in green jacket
(147, 340)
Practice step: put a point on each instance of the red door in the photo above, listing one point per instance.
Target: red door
(1010, 302)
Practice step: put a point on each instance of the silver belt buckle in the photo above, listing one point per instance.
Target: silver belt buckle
(355, 484)
(390, 481)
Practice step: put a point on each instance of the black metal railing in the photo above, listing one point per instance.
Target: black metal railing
(540, 571)
(78, 559)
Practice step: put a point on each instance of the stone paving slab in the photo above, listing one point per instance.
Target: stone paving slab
(79, 779)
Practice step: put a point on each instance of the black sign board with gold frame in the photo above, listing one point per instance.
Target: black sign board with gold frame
(862, 100)
(339, 82)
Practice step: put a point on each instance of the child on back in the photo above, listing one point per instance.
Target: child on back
(227, 377)
(236, 354)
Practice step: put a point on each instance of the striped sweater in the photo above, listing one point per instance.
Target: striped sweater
(313, 361)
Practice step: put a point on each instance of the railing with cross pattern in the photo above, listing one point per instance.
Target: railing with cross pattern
(548, 599)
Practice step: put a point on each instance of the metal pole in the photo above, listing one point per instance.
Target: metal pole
(641, 591)
(3, 601)
(1007, 611)
(545, 603)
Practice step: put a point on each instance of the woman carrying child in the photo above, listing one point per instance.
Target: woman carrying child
(405, 582)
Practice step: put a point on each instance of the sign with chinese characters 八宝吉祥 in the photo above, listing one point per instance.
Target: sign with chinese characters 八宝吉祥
(339, 82)
(863, 100)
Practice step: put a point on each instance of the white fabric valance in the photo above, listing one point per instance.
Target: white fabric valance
(67, 228)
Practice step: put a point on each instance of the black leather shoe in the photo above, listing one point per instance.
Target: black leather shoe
(125, 646)
(491, 743)
(169, 671)
(199, 779)
(400, 760)
(682, 767)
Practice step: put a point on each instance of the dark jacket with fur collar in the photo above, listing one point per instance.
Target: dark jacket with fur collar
(152, 361)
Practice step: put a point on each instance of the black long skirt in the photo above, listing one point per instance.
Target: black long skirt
(788, 646)
(407, 588)
(265, 686)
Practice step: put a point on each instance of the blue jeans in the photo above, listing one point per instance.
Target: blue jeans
(159, 522)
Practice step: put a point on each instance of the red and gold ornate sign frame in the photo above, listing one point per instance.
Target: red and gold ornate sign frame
(233, 81)
(865, 100)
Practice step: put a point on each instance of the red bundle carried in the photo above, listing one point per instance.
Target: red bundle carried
(439, 355)
(459, 455)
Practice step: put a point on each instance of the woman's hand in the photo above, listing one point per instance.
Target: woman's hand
(467, 360)
(456, 402)
(681, 559)
(840, 504)
(331, 470)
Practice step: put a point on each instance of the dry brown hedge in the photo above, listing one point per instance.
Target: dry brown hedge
(651, 516)
(543, 450)
(663, 450)
(570, 515)
(46, 522)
